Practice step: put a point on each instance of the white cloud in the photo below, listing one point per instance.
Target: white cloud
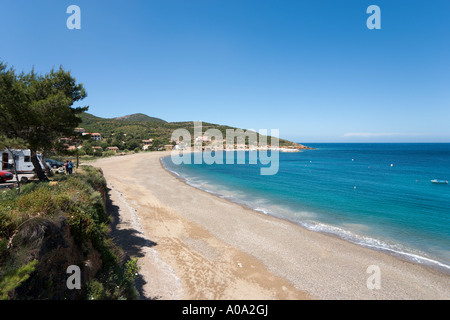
(372, 134)
(397, 136)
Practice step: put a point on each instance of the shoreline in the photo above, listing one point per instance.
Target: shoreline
(401, 255)
(317, 265)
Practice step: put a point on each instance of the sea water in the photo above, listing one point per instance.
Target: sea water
(376, 195)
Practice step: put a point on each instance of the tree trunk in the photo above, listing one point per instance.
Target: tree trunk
(48, 170)
(37, 166)
(15, 169)
(78, 157)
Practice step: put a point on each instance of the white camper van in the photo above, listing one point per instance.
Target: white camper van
(23, 161)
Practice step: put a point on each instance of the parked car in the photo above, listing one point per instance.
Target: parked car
(53, 163)
(5, 176)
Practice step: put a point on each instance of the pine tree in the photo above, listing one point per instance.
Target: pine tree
(38, 109)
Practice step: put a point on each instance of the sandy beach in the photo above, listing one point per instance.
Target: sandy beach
(194, 245)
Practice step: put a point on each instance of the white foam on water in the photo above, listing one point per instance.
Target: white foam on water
(261, 210)
(376, 244)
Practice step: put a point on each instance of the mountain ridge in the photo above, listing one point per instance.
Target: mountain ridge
(139, 117)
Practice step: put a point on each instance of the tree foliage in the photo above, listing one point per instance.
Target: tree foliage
(37, 109)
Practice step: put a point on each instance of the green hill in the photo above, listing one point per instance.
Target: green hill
(88, 118)
(127, 132)
(140, 117)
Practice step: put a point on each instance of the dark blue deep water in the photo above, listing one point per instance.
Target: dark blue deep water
(376, 195)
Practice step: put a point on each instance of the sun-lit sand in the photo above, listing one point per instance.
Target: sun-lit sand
(199, 246)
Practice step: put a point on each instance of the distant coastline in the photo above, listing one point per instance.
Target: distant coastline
(142, 132)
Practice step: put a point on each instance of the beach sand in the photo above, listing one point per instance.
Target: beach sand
(194, 245)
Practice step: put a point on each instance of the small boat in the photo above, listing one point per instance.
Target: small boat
(437, 181)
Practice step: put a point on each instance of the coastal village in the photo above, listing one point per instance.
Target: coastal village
(206, 143)
(85, 145)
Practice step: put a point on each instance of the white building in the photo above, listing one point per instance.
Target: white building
(94, 136)
(203, 139)
(146, 144)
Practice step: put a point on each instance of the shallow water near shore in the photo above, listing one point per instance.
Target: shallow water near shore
(376, 195)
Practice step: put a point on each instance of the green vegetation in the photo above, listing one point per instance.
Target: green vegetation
(14, 278)
(52, 225)
(37, 109)
(112, 286)
(139, 117)
(127, 132)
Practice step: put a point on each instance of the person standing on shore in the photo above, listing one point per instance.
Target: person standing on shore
(70, 166)
(66, 166)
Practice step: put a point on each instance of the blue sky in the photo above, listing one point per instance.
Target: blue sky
(311, 69)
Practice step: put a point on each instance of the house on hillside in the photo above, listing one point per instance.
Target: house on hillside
(146, 144)
(115, 149)
(202, 139)
(79, 130)
(96, 136)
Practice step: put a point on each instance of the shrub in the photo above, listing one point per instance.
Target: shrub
(79, 200)
(15, 278)
(131, 270)
(96, 291)
(115, 284)
(108, 154)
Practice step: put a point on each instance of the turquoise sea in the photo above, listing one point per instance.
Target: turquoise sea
(376, 195)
